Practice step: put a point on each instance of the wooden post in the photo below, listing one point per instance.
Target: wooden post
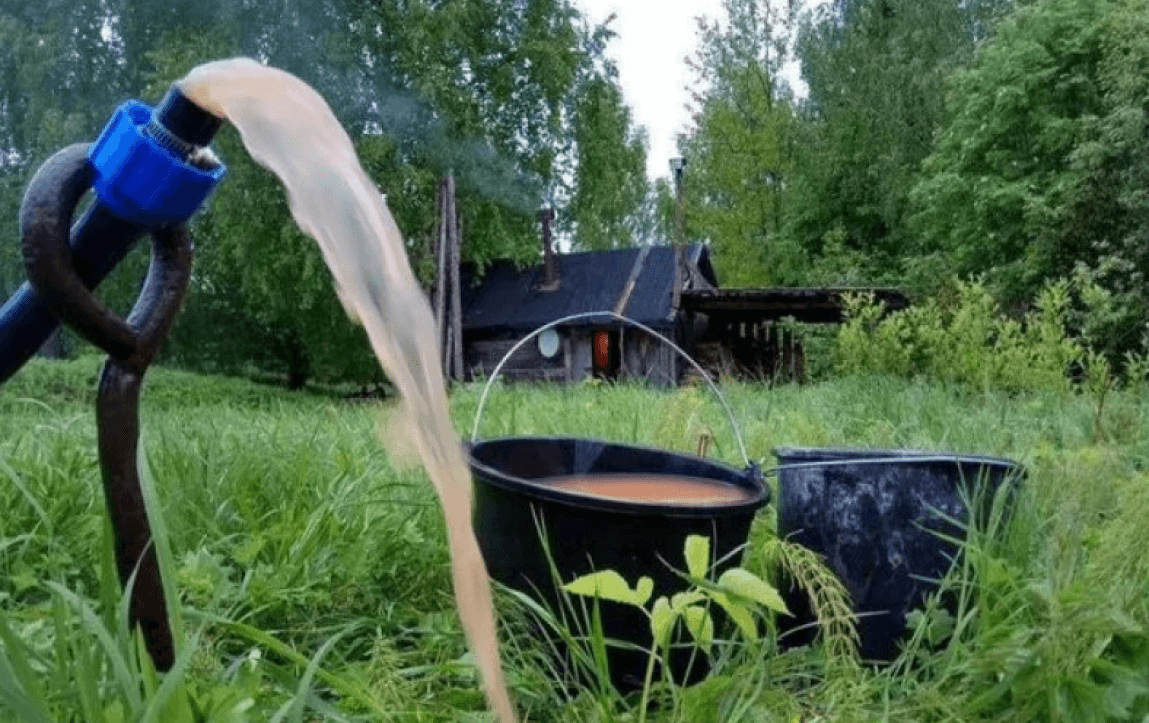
(456, 366)
(448, 299)
(568, 359)
(678, 168)
(787, 354)
(441, 276)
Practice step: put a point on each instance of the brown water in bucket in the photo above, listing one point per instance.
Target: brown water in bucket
(288, 128)
(653, 488)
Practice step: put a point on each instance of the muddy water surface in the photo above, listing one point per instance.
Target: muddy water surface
(652, 488)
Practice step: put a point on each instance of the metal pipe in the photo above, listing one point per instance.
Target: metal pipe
(150, 171)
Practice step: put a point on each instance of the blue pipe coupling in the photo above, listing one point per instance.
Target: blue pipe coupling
(143, 172)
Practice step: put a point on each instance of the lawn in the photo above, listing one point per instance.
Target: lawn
(314, 579)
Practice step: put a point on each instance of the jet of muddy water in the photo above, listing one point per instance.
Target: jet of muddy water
(288, 128)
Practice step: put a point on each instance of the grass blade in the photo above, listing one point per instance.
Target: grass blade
(173, 684)
(342, 686)
(295, 706)
(18, 481)
(19, 691)
(162, 540)
(92, 623)
(15, 661)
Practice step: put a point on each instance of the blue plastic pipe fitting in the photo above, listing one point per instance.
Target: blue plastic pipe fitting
(149, 170)
(139, 177)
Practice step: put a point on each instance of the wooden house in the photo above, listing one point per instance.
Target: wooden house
(644, 284)
(672, 290)
(730, 332)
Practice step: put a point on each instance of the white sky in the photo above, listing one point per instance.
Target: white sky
(653, 39)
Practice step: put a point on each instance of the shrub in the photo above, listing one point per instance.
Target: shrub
(967, 340)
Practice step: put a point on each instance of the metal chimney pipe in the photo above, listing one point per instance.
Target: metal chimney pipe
(678, 168)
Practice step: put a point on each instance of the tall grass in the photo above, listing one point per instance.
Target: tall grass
(314, 584)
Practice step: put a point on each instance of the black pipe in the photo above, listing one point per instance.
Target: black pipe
(118, 427)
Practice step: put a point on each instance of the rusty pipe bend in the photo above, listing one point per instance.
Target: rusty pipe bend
(45, 221)
(132, 344)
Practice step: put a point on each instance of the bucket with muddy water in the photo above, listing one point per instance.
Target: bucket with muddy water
(887, 523)
(599, 506)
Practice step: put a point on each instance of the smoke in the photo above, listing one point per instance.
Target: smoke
(424, 137)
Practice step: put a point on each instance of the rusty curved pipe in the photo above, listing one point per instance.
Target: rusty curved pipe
(132, 345)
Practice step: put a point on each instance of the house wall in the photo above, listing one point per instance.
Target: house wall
(582, 360)
(528, 363)
(642, 357)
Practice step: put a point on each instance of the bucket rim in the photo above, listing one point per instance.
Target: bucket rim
(760, 491)
(815, 456)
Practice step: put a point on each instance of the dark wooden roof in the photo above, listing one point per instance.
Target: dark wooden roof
(818, 306)
(509, 299)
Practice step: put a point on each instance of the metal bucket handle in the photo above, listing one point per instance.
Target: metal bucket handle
(617, 317)
(923, 457)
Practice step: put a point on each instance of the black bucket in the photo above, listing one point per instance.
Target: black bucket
(515, 503)
(592, 533)
(879, 518)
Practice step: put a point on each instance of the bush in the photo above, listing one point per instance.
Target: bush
(967, 340)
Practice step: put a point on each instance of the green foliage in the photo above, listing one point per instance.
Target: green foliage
(517, 100)
(741, 149)
(56, 88)
(1088, 663)
(829, 599)
(968, 341)
(875, 71)
(1107, 204)
(1055, 677)
(1040, 165)
(107, 673)
(609, 585)
(734, 590)
(841, 264)
(611, 167)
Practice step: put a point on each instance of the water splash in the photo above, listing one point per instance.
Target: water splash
(289, 129)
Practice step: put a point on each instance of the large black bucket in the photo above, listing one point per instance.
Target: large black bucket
(880, 518)
(515, 503)
(586, 534)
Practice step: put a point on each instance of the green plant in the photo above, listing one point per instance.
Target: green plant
(828, 596)
(967, 340)
(1099, 381)
(735, 590)
(1136, 369)
(92, 667)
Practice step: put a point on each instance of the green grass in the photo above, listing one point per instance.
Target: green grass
(314, 577)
